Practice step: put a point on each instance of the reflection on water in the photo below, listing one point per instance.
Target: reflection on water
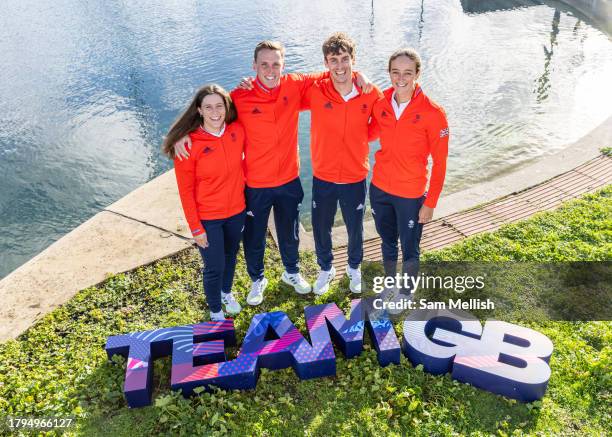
(543, 80)
(87, 89)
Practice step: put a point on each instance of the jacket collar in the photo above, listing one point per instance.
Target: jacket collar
(416, 99)
(261, 88)
(203, 135)
(329, 90)
(416, 94)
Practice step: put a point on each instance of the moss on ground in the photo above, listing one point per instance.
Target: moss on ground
(59, 367)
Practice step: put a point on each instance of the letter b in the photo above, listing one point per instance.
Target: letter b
(508, 359)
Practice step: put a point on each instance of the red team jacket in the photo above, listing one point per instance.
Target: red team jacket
(401, 163)
(270, 119)
(211, 180)
(339, 132)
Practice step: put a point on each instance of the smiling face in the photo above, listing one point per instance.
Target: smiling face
(213, 112)
(403, 73)
(340, 67)
(269, 67)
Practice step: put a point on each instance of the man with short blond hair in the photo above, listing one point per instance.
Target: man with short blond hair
(269, 45)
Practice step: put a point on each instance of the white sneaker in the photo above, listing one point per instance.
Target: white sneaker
(217, 317)
(255, 296)
(354, 279)
(296, 280)
(231, 305)
(321, 285)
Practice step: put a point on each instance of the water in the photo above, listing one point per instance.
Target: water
(87, 89)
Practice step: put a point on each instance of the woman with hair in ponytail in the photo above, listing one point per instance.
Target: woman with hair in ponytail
(412, 129)
(211, 187)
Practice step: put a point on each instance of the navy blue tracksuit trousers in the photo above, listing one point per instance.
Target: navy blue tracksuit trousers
(286, 200)
(393, 216)
(219, 257)
(325, 199)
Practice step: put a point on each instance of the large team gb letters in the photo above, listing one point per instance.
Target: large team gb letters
(502, 358)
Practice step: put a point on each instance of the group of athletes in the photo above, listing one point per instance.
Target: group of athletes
(236, 157)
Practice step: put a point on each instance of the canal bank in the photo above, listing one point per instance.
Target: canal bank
(148, 224)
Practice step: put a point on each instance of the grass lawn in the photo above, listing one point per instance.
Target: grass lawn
(59, 367)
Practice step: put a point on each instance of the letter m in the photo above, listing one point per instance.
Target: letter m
(327, 322)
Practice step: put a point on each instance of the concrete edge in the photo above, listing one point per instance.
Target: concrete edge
(106, 244)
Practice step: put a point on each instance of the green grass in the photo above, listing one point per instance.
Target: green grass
(59, 367)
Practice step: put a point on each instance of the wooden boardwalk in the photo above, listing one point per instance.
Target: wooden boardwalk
(588, 177)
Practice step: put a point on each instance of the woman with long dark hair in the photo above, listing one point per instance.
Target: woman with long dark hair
(211, 187)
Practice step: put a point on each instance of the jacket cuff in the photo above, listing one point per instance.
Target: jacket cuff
(198, 231)
(430, 202)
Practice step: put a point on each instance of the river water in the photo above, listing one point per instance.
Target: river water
(88, 88)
